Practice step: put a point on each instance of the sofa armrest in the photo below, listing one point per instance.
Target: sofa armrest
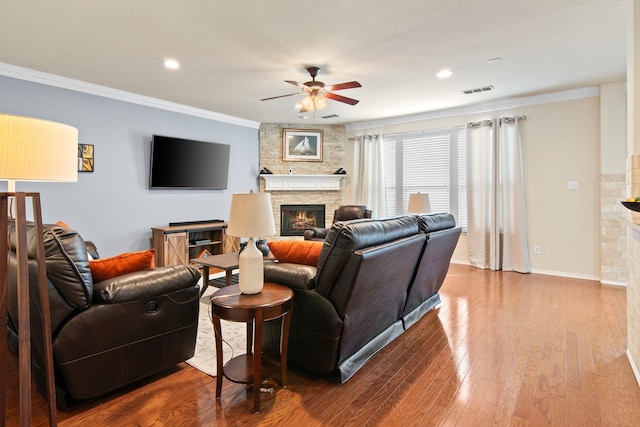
(145, 284)
(294, 276)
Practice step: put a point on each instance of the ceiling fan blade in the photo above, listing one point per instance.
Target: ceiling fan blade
(341, 98)
(294, 83)
(341, 86)
(280, 96)
(303, 110)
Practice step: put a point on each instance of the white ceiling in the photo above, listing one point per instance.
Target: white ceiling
(233, 53)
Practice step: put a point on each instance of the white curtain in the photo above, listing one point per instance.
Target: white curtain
(365, 169)
(496, 198)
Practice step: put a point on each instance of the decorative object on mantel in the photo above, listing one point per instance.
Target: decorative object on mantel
(251, 216)
(277, 182)
(265, 171)
(340, 171)
(85, 158)
(634, 206)
(299, 145)
(30, 150)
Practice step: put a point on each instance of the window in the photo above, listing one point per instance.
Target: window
(430, 162)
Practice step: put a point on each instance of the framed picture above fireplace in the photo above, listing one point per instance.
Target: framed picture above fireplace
(302, 145)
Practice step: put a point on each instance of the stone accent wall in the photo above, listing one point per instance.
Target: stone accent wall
(633, 284)
(613, 232)
(333, 154)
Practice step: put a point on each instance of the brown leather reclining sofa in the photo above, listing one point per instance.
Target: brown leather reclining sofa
(108, 334)
(374, 279)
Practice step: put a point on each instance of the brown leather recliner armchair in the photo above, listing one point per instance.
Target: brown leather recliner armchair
(343, 213)
(108, 334)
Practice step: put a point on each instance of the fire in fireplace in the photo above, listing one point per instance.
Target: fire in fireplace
(294, 219)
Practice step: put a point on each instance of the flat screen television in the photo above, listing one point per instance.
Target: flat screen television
(188, 164)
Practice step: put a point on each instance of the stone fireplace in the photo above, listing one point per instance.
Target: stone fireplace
(294, 219)
(334, 141)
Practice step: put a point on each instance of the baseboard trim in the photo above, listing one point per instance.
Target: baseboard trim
(634, 367)
(567, 275)
(610, 283)
(552, 273)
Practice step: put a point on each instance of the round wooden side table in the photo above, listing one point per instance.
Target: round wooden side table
(230, 304)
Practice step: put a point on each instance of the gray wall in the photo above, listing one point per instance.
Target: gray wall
(113, 206)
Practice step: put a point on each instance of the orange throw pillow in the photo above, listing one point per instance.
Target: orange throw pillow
(296, 251)
(128, 262)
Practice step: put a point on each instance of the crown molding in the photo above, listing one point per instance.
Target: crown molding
(21, 73)
(501, 104)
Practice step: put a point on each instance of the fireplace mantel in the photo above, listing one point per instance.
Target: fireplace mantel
(276, 182)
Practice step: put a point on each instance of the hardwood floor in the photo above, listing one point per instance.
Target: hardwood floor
(503, 349)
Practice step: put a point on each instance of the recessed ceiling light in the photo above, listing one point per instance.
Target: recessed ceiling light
(444, 74)
(171, 64)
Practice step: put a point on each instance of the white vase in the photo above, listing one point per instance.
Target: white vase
(251, 274)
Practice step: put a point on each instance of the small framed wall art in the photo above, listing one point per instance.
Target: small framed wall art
(85, 157)
(300, 145)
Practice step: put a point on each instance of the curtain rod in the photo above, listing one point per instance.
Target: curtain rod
(490, 122)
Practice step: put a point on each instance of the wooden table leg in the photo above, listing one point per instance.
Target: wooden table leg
(219, 362)
(284, 347)
(257, 360)
(205, 279)
(250, 337)
(229, 277)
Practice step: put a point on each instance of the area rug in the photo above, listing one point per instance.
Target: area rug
(234, 335)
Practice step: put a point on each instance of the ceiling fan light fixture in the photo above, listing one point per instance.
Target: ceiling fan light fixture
(313, 102)
(307, 103)
(320, 102)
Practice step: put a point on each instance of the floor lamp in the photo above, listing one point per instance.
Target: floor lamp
(30, 150)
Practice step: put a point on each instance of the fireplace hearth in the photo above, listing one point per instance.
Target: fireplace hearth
(294, 219)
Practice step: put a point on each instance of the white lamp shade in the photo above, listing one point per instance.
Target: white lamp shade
(37, 150)
(419, 203)
(251, 215)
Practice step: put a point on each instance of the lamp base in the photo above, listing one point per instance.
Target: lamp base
(251, 274)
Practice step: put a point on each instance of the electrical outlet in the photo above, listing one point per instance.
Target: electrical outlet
(536, 249)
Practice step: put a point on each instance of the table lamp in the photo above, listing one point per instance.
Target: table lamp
(419, 203)
(30, 150)
(251, 216)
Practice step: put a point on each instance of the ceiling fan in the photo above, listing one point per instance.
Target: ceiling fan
(317, 93)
